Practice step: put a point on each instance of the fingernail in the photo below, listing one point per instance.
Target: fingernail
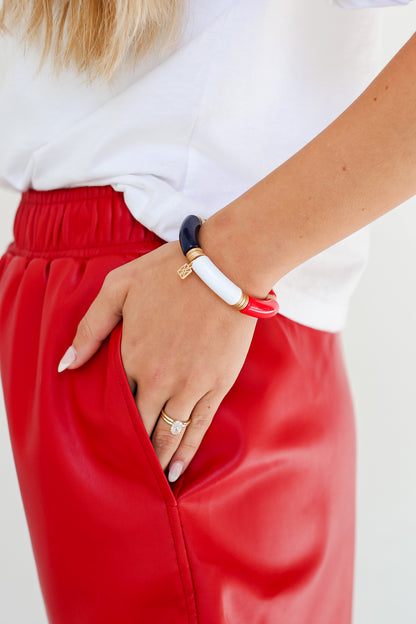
(175, 470)
(69, 357)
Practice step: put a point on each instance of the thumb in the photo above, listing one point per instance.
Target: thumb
(101, 317)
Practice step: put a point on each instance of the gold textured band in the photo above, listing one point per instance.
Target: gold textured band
(194, 253)
(242, 302)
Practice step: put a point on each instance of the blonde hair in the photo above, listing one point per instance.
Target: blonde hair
(93, 36)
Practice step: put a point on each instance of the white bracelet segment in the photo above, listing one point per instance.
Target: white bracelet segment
(216, 280)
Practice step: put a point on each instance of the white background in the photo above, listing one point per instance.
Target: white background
(380, 348)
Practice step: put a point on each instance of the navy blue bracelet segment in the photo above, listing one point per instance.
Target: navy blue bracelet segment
(188, 234)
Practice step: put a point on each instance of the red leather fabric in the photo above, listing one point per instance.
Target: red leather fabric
(259, 530)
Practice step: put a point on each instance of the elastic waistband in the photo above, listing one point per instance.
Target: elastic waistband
(79, 221)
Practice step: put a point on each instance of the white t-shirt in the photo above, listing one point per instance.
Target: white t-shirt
(249, 85)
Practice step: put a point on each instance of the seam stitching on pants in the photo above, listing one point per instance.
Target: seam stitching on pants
(71, 197)
(109, 249)
(189, 563)
(176, 510)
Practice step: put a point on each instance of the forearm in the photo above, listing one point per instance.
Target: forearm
(357, 169)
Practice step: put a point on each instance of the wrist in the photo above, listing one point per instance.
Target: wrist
(225, 242)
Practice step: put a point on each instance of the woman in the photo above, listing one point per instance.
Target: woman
(247, 516)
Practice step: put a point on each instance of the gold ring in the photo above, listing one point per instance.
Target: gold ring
(177, 426)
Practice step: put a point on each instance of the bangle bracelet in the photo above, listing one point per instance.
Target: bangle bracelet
(209, 273)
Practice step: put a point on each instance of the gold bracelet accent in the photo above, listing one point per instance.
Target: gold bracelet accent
(194, 253)
(242, 302)
(184, 271)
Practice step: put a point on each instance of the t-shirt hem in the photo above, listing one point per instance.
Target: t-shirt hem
(311, 311)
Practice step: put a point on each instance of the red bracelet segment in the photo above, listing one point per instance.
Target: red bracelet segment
(262, 308)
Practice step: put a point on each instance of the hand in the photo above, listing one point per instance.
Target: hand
(182, 347)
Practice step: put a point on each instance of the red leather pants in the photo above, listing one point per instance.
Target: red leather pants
(259, 530)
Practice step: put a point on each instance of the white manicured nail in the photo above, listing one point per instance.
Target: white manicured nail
(175, 470)
(69, 357)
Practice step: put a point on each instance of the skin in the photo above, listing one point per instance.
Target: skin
(183, 347)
